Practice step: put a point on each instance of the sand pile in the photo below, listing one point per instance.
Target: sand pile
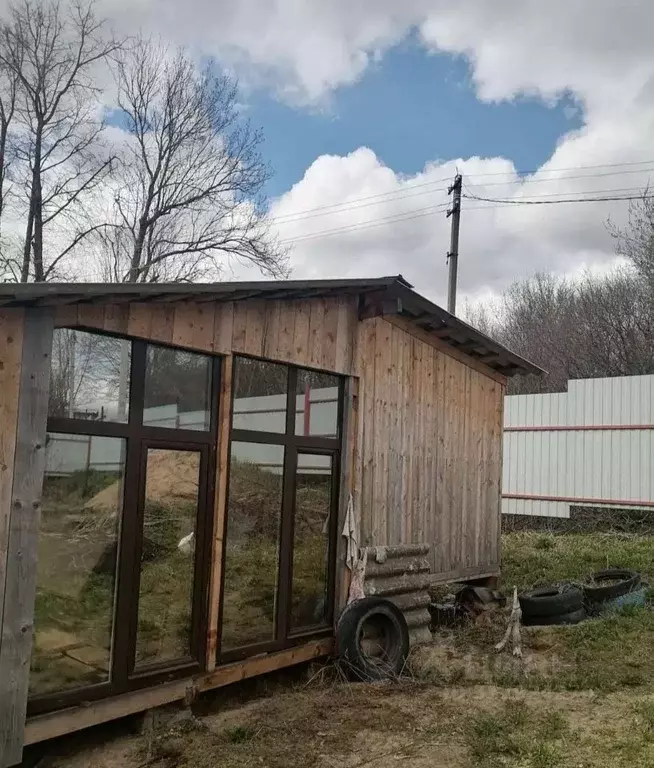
(171, 476)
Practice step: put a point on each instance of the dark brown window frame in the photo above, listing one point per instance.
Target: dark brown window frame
(293, 444)
(124, 676)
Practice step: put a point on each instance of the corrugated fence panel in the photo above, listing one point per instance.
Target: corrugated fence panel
(590, 446)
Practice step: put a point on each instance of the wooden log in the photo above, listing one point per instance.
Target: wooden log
(20, 582)
(394, 585)
(397, 566)
(398, 550)
(411, 600)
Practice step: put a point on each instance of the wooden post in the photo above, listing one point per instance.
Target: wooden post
(220, 509)
(349, 428)
(25, 514)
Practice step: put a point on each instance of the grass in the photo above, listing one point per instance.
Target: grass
(517, 733)
(535, 559)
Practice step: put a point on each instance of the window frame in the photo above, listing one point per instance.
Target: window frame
(124, 674)
(293, 444)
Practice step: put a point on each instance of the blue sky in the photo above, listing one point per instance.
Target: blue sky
(410, 108)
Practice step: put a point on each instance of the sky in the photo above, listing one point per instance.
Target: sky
(370, 107)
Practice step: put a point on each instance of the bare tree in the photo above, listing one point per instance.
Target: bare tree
(187, 193)
(596, 326)
(635, 241)
(52, 53)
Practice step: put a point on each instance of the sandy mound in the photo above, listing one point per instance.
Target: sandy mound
(171, 476)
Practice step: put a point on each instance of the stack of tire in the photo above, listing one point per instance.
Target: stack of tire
(557, 604)
(613, 588)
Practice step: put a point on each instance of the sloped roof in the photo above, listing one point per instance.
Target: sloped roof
(383, 296)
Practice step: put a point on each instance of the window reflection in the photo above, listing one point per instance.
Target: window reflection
(252, 551)
(313, 503)
(177, 389)
(316, 410)
(89, 376)
(77, 559)
(260, 395)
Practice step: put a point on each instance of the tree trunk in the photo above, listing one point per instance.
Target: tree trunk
(37, 197)
(137, 254)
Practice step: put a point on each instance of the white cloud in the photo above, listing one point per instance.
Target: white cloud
(598, 50)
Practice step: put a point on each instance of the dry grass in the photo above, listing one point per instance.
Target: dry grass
(583, 697)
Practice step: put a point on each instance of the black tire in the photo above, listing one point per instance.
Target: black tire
(629, 580)
(574, 617)
(372, 638)
(551, 601)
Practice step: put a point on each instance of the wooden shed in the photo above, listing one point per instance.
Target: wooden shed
(176, 465)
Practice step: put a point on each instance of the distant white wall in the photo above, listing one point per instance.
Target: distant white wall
(550, 451)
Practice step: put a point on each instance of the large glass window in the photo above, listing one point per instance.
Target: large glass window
(89, 376)
(280, 532)
(311, 529)
(122, 543)
(260, 396)
(77, 561)
(177, 389)
(252, 552)
(317, 404)
(170, 508)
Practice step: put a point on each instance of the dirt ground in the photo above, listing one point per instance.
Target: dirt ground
(581, 696)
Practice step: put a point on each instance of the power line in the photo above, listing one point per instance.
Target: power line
(408, 216)
(509, 202)
(398, 218)
(427, 187)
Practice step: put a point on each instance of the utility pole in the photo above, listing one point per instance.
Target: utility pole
(453, 254)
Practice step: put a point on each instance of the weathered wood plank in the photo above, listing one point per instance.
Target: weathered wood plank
(162, 322)
(223, 328)
(66, 316)
(11, 350)
(329, 333)
(139, 323)
(301, 337)
(367, 330)
(116, 318)
(349, 427)
(256, 321)
(20, 580)
(51, 726)
(383, 383)
(91, 315)
(452, 352)
(220, 509)
(345, 333)
(316, 333)
(287, 318)
(193, 326)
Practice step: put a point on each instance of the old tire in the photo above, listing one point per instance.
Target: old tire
(551, 601)
(626, 581)
(573, 617)
(372, 638)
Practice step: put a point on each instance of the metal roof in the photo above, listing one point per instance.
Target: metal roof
(392, 295)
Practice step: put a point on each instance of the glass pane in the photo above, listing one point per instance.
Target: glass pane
(252, 552)
(168, 556)
(89, 376)
(260, 391)
(313, 499)
(77, 557)
(177, 389)
(316, 411)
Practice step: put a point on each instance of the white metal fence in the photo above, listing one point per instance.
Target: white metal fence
(315, 413)
(591, 446)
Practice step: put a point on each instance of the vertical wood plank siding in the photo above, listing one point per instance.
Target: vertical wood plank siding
(427, 465)
(430, 463)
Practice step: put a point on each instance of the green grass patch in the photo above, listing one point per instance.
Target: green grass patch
(517, 735)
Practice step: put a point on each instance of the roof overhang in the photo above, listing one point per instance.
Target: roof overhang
(383, 296)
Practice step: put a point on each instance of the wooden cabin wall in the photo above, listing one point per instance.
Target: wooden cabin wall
(318, 333)
(429, 452)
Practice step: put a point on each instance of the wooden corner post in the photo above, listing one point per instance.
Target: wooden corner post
(18, 592)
